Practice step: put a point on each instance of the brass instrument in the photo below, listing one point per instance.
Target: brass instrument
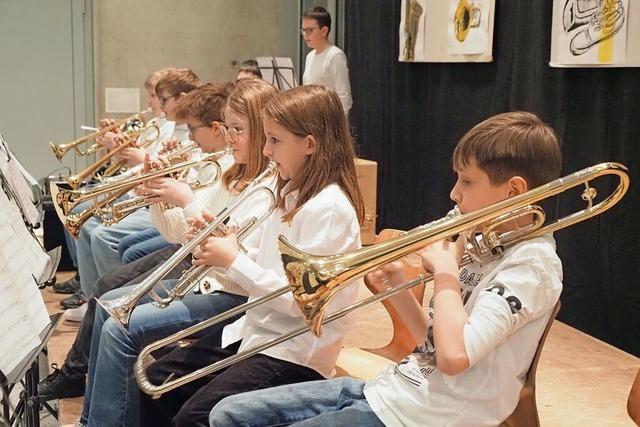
(314, 280)
(135, 121)
(121, 308)
(64, 200)
(131, 136)
(110, 214)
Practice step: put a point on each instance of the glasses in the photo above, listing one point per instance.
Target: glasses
(193, 129)
(232, 132)
(308, 30)
(163, 99)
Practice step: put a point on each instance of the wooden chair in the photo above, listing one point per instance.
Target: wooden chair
(366, 363)
(633, 404)
(526, 413)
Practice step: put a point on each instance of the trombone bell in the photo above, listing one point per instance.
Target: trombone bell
(314, 280)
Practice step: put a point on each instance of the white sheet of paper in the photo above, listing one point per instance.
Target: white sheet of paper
(477, 39)
(35, 257)
(588, 33)
(18, 262)
(11, 170)
(23, 314)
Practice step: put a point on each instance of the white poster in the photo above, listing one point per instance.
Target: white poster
(413, 30)
(589, 32)
(468, 27)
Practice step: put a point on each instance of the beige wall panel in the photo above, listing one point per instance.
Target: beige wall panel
(136, 38)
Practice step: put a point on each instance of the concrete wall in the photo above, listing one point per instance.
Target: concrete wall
(133, 39)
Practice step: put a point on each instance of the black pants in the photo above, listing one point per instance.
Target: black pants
(190, 404)
(133, 273)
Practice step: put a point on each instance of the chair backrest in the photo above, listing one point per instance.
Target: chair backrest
(402, 343)
(633, 404)
(531, 374)
(526, 412)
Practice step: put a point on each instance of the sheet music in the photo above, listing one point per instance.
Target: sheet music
(278, 71)
(13, 171)
(36, 258)
(17, 265)
(23, 314)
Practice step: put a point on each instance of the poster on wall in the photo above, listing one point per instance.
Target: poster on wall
(413, 31)
(446, 31)
(589, 33)
(468, 27)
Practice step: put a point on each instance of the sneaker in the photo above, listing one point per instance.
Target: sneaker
(74, 301)
(60, 385)
(70, 286)
(75, 314)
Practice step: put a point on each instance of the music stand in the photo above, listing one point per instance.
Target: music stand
(278, 71)
(28, 368)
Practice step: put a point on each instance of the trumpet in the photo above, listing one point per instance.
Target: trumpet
(64, 200)
(121, 308)
(314, 280)
(110, 214)
(131, 136)
(135, 121)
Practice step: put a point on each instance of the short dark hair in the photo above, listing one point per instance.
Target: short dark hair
(250, 66)
(320, 14)
(511, 144)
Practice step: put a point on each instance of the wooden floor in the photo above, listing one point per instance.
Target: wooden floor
(581, 381)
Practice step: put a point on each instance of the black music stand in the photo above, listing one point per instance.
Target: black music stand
(27, 374)
(278, 71)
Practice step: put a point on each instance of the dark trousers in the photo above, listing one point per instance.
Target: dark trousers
(190, 404)
(133, 273)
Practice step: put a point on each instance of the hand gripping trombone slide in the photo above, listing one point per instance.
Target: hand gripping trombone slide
(314, 280)
(121, 308)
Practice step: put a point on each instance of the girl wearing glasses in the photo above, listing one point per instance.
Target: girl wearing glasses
(112, 396)
(319, 208)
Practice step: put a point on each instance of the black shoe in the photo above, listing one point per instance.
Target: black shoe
(60, 385)
(70, 286)
(75, 300)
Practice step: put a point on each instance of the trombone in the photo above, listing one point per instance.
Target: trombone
(133, 122)
(121, 308)
(64, 201)
(314, 280)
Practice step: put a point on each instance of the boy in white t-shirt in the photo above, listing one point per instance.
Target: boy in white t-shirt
(484, 322)
(326, 64)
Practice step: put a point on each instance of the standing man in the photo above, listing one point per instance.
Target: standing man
(326, 64)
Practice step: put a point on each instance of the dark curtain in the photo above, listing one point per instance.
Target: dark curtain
(408, 118)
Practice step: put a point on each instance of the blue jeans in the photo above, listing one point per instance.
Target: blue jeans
(137, 245)
(112, 396)
(97, 246)
(335, 402)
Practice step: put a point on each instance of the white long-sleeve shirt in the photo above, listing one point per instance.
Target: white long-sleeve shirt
(330, 70)
(172, 223)
(326, 224)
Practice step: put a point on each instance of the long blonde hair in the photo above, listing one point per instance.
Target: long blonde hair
(317, 111)
(247, 100)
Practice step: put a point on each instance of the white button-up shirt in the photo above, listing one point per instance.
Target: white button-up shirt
(326, 224)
